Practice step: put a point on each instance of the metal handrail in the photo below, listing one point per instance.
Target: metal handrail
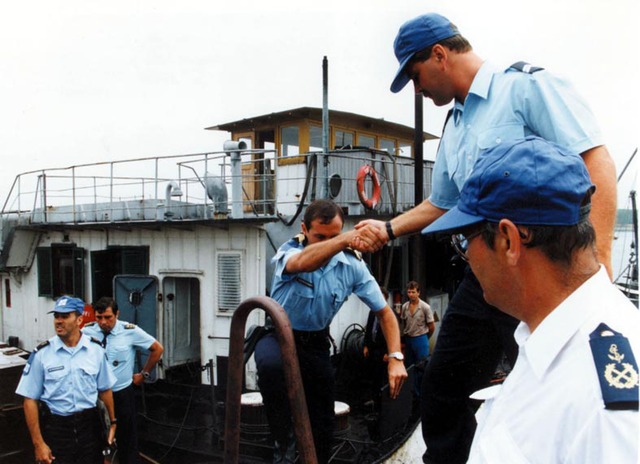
(293, 380)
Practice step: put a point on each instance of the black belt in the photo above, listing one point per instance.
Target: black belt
(310, 336)
(77, 415)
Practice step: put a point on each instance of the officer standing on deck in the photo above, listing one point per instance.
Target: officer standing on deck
(61, 384)
(121, 339)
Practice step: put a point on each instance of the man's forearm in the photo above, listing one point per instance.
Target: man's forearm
(416, 219)
(315, 256)
(32, 418)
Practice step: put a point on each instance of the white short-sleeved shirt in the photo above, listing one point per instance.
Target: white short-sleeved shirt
(550, 409)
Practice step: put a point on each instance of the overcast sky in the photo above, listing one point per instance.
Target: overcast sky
(84, 81)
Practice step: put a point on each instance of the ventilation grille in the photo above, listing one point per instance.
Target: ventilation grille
(229, 282)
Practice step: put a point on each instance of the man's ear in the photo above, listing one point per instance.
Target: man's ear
(510, 235)
(439, 53)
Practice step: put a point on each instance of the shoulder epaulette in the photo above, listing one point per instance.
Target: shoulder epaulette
(525, 67)
(130, 326)
(41, 345)
(27, 366)
(300, 238)
(90, 324)
(95, 340)
(352, 252)
(616, 367)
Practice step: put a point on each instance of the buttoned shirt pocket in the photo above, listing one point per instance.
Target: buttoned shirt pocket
(56, 381)
(87, 375)
(498, 134)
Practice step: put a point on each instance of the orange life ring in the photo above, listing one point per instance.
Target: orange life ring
(363, 172)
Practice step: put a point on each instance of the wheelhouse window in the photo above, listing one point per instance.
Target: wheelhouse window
(315, 138)
(60, 271)
(343, 138)
(388, 145)
(366, 141)
(405, 149)
(290, 141)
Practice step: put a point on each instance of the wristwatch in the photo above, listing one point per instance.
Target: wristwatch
(145, 374)
(396, 354)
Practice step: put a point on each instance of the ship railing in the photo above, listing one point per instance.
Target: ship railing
(184, 187)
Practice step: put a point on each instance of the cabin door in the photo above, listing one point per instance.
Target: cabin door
(181, 297)
(137, 299)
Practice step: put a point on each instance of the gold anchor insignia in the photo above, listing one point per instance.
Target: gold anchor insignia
(625, 378)
(613, 349)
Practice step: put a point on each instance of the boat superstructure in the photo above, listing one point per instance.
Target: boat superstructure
(182, 240)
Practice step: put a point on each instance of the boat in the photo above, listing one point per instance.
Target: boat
(181, 241)
(627, 279)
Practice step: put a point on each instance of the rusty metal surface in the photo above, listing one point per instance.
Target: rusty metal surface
(293, 380)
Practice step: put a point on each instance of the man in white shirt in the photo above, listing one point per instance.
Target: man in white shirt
(522, 222)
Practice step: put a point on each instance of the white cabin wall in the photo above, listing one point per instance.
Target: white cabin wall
(173, 252)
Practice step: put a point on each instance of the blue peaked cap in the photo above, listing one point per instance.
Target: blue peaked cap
(529, 181)
(415, 35)
(68, 304)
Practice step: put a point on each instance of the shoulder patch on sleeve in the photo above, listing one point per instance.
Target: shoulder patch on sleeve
(352, 252)
(617, 368)
(130, 326)
(525, 67)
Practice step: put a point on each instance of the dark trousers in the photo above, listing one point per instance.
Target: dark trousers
(127, 429)
(76, 439)
(318, 380)
(472, 339)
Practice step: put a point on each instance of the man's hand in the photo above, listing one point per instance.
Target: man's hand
(397, 376)
(138, 379)
(43, 453)
(371, 236)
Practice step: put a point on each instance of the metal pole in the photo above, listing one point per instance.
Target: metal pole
(324, 160)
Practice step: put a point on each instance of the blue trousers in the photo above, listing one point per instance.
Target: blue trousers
(416, 350)
(471, 342)
(318, 381)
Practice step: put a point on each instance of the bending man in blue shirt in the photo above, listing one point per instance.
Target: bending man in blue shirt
(315, 272)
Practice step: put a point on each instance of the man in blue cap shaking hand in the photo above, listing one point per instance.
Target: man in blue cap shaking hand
(522, 223)
(491, 104)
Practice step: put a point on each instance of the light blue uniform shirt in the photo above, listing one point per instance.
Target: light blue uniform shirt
(67, 379)
(312, 299)
(121, 346)
(505, 105)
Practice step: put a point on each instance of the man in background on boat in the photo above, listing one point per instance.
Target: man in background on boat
(417, 323)
(61, 383)
(121, 340)
(315, 273)
(572, 396)
(491, 105)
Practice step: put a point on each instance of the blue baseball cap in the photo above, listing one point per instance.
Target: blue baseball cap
(529, 181)
(68, 304)
(415, 35)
